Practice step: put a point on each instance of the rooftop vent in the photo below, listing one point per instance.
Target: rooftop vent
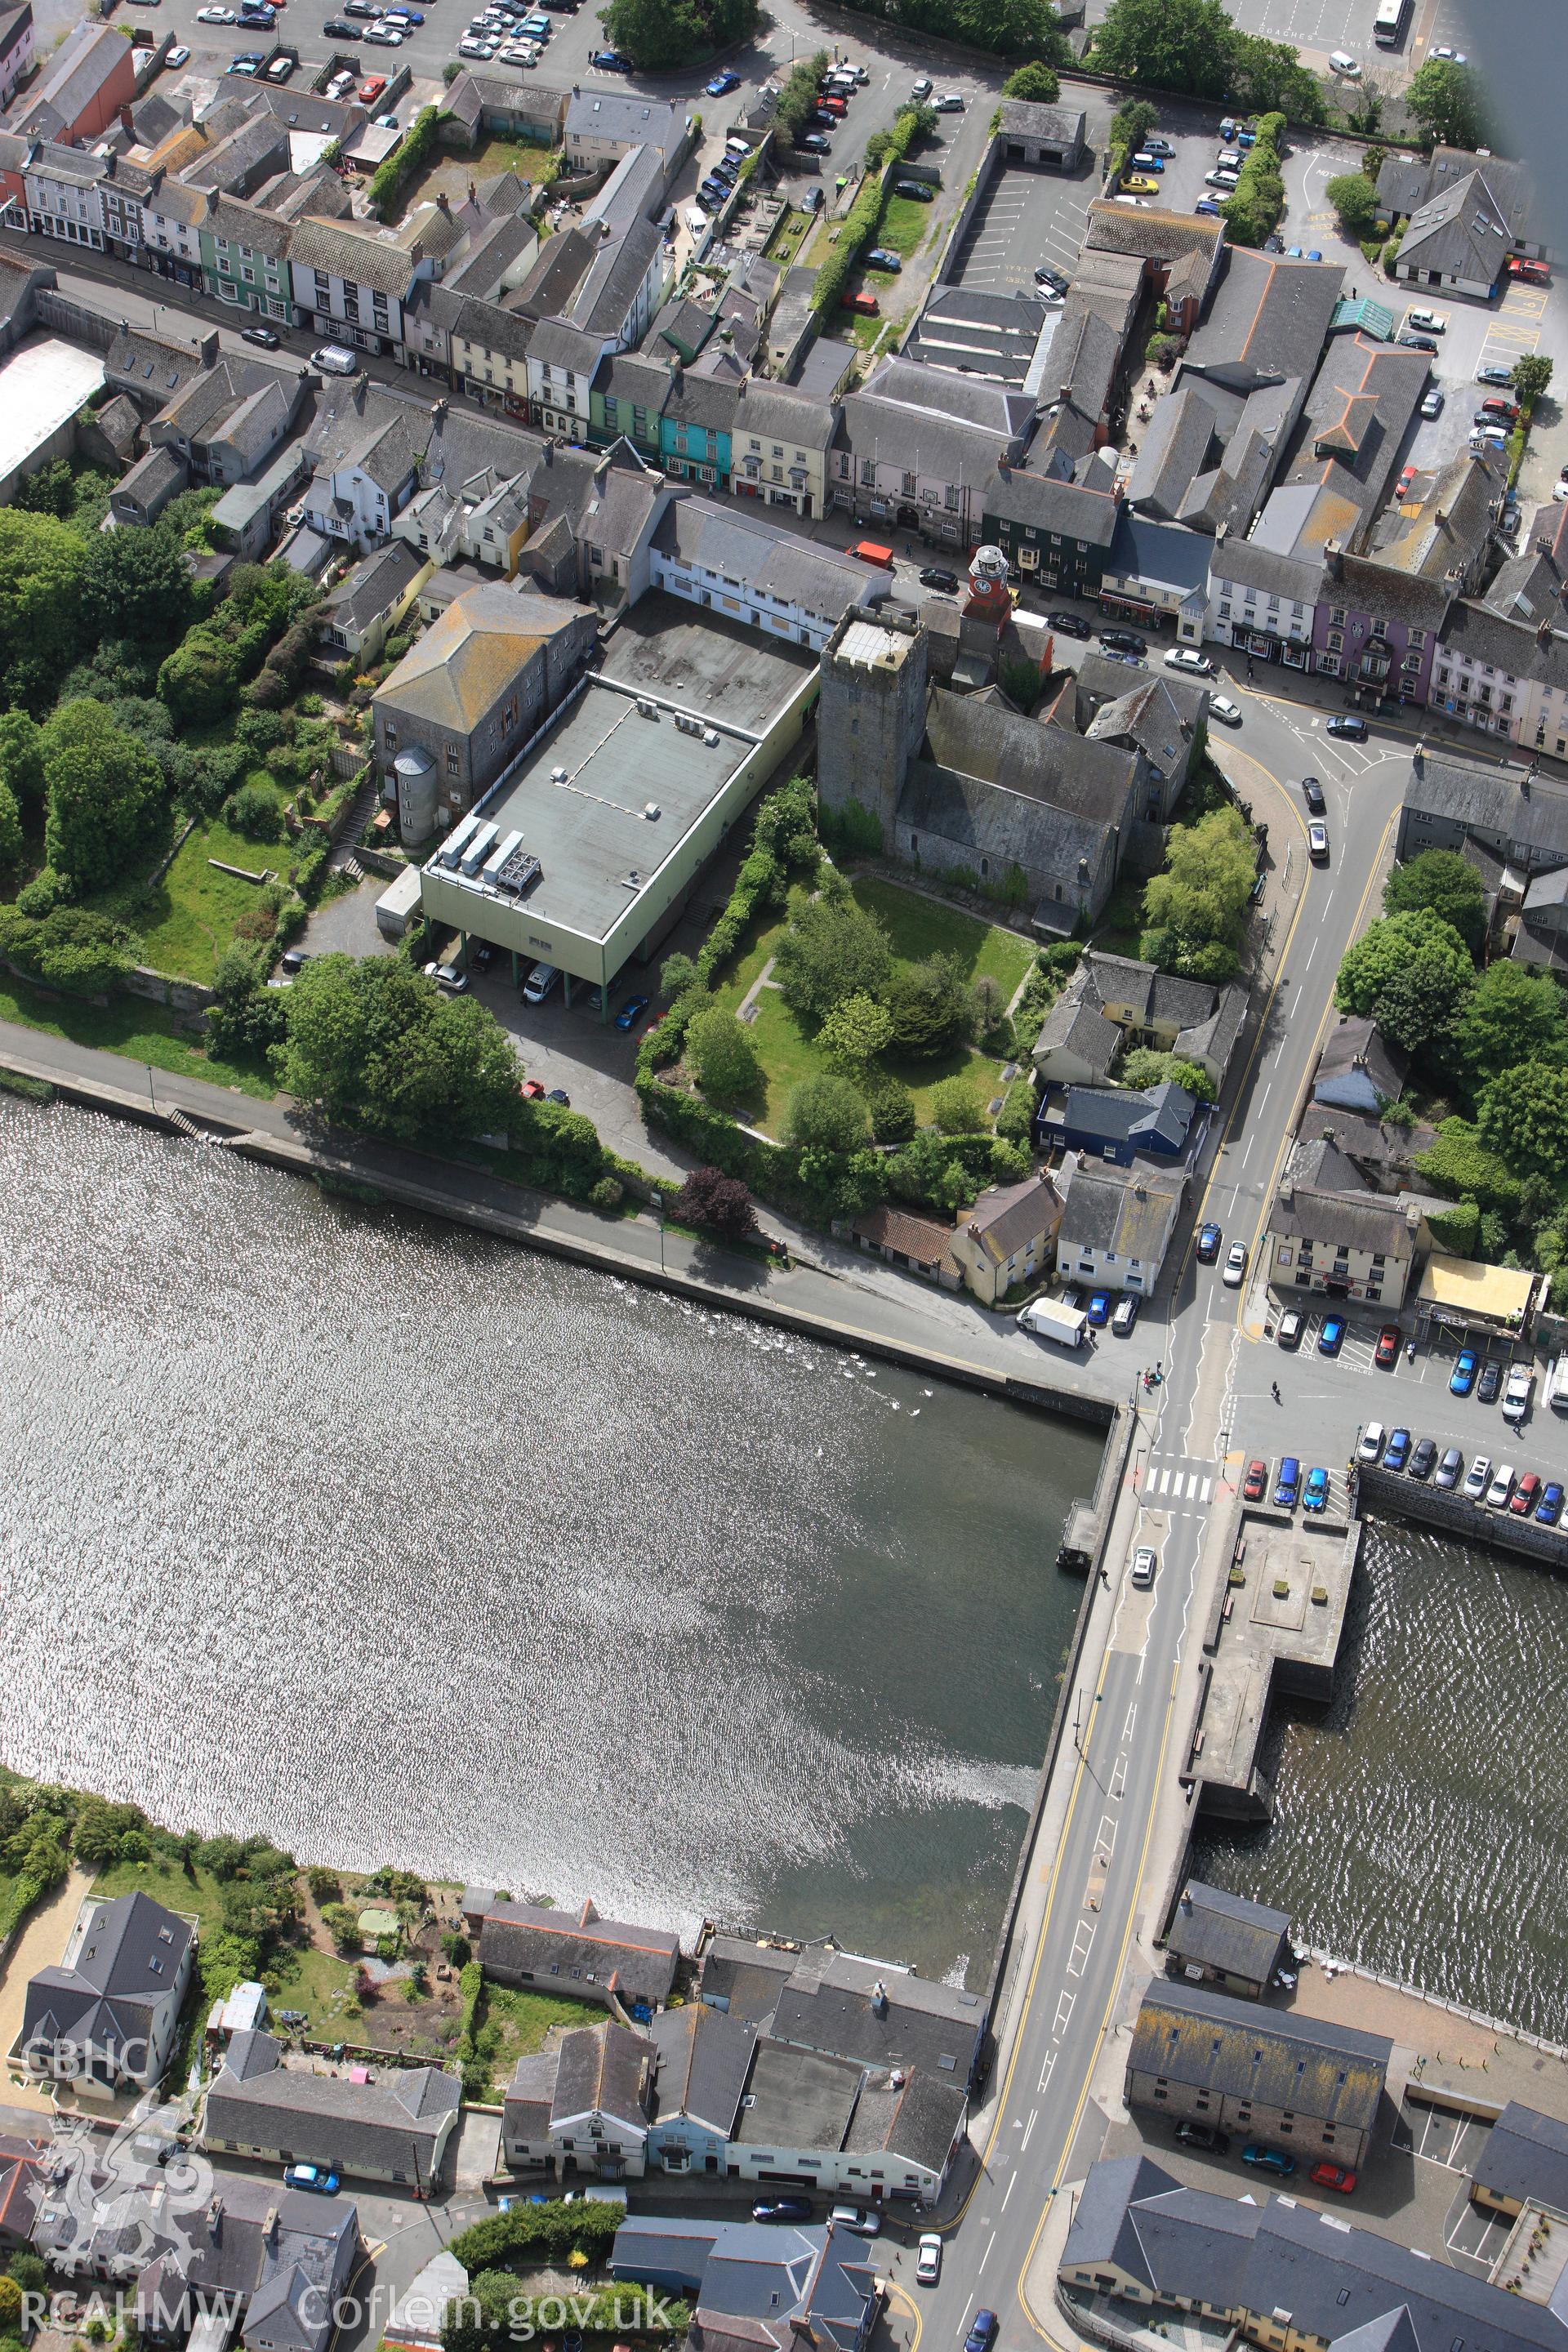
(558, 775)
(652, 810)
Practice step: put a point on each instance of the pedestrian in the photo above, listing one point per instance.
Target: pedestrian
(1274, 1386)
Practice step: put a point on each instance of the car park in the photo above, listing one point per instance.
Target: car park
(1208, 1244)
(1126, 1315)
(1424, 1459)
(1291, 1326)
(1269, 2159)
(1141, 185)
(881, 257)
(1145, 1563)
(1188, 658)
(1315, 1497)
(1462, 1378)
(928, 2259)
(1235, 1273)
(1228, 180)
(1333, 2176)
(1387, 1352)
(1221, 707)
(1396, 1453)
(1331, 1338)
(1288, 1485)
(631, 1012)
(1254, 1483)
(1351, 728)
(1146, 159)
(1477, 1477)
(1549, 1510)
(1369, 1445)
(1487, 1386)
(782, 2209)
(1501, 1487)
(1317, 843)
(1525, 1496)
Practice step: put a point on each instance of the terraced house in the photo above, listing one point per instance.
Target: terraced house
(244, 258)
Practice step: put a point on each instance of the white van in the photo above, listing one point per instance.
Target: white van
(539, 982)
(333, 360)
(1557, 1385)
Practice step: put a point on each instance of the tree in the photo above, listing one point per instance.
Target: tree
(42, 566)
(721, 1054)
(10, 829)
(342, 1924)
(1039, 84)
(1355, 202)
(929, 1004)
(1131, 123)
(956, 1109)
(1411, 973)
(678, 976)
(659, 34)
(1523, 1117)
(1445, 99)
(855, 1032)
(1531, 374)
(1145, 1067)
(200, 680)
(22, 758)
(1514, 1014)
(137, 583)
(826, 1114)
(1440, 879)
(1267, 78)
(1206, 887)
(831, 951)
(10, 2307)
(376, 1043)
(892, 1108)
(720, 1202)
(105, 795)
(1183, 45)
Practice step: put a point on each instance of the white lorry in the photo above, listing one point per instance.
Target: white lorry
(1047, 1318)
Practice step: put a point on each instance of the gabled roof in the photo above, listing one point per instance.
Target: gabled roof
(359, 256)
(454, 676)
(393, 2125)
(703, 2057)
(525, 1937)
(1333, 2074)
(1525, 2155)
(1127, 1211)
(1221, 1930)
(604, 2070)
(1008, 1216)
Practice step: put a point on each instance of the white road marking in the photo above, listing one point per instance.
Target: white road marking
(1046, 2071)
(1028, 2130)
(1008, 2192)
(1307, 967)
(1193, 1486)
(1165, 1482)
(1083, 1934)
(1064, 2011)
(981, 2263)
(1132, 1719)
(1206, 1490)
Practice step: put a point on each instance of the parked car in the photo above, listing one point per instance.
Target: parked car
(1123, 641)
(1221, 707)
(1188, 658)
(531, 1091)
(1209, 208)
(1208, 1244)
(881, 257)
(1462, 1378)
(1316, 1496)
(1255, 1482)
(1501, 1487)
(1072, 624)
(1269, 2159)
(1402, 487)
(282, 68)
(1235, 1273)
(609, 61)
(1126, 1315)
(217, 16)
(1535, 273)
(1145, 1560)
(1549, 1510)
(1431, 323)
(1100, 1306)
(369, 89)
(292, 962)
(1225, 180)
(1479, 1477)
(1506, 411)
(263, 336)
(1525, 1496)
(1331, 1338)
(1424, 1458)
(1287, 1485)
(1492, 373)
(864, 2223)
(920, 88)
(815, 143)
(933, 576)
(1146, 159)
(928, 2259)
(1141, 185)
(320, 2177)
(1373, 1438)
(1416, 342)
(1396, 1453)
(1432, 403)
(1450, 1469)
(178, 55)
(631, 1012)
(782, 2209)
(1207, 2136)
(336, 29)
(447, 976)
(1333, 2176)
(1348, 727)
(1387, 1352)
(1292, 1323)
(1489, 1383)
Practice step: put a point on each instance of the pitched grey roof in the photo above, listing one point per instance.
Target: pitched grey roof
(604, 2070)
(1162, 1114)
(1175, 449)
(1460, 231)
(1053, 126)
(557, 344)
(1081, 506)
(752, 551)
(1356, 1043)
(780, 412)
(703, 2059)
(1207, 2041)
(834, 2002)
(374, 585)
(1525, 2154)
(1493, 800)
(1076, 1027)
(393, 2125)
(1360, 1221)
(1127, 1211)
(709, 401)
(990, 334)
(1252, 563)
(526, 1938)
(128, 1960)
(1090, 780)
(623, 118)
(1268, 319)
(1007, 1216)
(1476, 635)
(358, 257)
(1156, 234)
(1221, 1930)
(492, 329)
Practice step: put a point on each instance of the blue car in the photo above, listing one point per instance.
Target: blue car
(631, 1012)
(1549, 1510)
(1396, 1453)
(1287, 1485)
(1100, 1306)
(317, 2176)
(609, 61)
(722, 84)
(982, 2335)
(1314, 254)
(1331, 1338)
(1269, 2159)
(1209, 209)
(1317, 1495)
(1462, 1378)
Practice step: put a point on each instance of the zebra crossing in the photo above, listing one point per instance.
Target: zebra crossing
(1177, 1480)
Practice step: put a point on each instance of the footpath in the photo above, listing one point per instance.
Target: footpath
(808, 1299)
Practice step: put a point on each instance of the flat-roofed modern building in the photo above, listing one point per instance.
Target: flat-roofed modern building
(624, 795)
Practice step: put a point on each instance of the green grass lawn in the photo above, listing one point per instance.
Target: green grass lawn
(186, 922)
(167, 1883)
(920, 926)
(143, 1032)
(1121, 925)
(323, 1985)
(903, 225)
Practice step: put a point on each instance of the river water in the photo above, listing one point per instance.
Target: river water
(1423, 1815)
(397, 1543)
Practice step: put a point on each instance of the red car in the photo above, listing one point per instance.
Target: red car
(1255, 1481)
(1406, 479)
(1535, 273)
(531, 1091)
(1503, 410)
(1387, 1352)
(1333, 2176)
(369, 89)
(1525, 1496)
(832, 106)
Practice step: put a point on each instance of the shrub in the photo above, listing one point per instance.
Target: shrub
(853, 830)
(891, 1104)
(1015, 1120)
(724, 1058)
(956, 1109)
(605, 1192)
(720, 1202)
(342, 1924)
(826, 1114)
(832, 949)
(931, 1005)
(854, 1031)
(934, 1171)
(325, 1885)
(255, 811)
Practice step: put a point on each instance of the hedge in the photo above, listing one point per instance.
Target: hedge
(1254, 210)
(15, 1901)
(761, 878)
(864, 218)
(548, 2231)
(386, 182)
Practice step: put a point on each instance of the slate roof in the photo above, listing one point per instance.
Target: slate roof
(619, 117)
(1051, 126)
(1366, 1142)
(1461, 231)
(1221, 1930)
(128, 1959)
(158, 475)
(782, 413)
(1076, 1025)
(86, 58)
(1090, 780)
(1008, 1216)
(1451, 527)
(1490, 800)
(1356, 1043)
(749, 549)
(360, 257)
(1534, 582)
(604, 2070)
(1156, 234)
(1173, 451)
(920, 1238)
(690, 398)
(1145, 548)
(374, 585)
(850, 2008)
(488, 327)
(21, 2187)
(1127, 1211)
(1081, 507)
(1253, 563)
(525, 1937)
(1474, 633)
(558, 344)
(1267, 319)
(1158, 1114)
(1370, 1221)
(757, 2284)
(1525, 2155)
(393, 2125)
(1158, 998)
(703, 2057)
(1207, 2041)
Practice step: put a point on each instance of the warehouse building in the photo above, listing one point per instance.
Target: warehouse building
(1296, 2082)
